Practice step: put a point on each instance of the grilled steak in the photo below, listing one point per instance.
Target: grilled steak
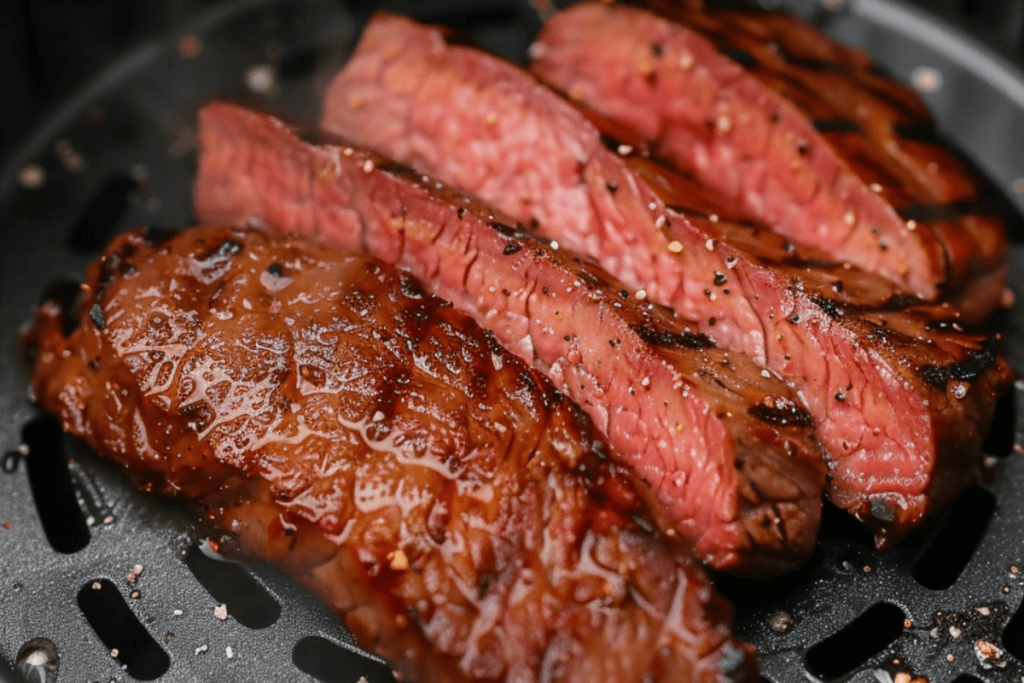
(724, 452)
(902, 399)
(434, 489)
(802, 131)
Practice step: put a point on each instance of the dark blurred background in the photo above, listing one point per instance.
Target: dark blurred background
(50, 48)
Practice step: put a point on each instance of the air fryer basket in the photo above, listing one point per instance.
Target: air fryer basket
(100, 582)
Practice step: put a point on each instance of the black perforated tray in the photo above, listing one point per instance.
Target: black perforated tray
(122, 153)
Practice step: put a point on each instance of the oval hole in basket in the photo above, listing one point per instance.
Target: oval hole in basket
(856, 643)
(298, 64)
(1003, 432)
(52, 490)
(95, 225)
(117, 626)
(951, 549)
(65, 293)
(967, 678)
(1013, 634)
(330, 663)
(228, 582)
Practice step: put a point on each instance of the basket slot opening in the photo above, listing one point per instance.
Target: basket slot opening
(65, 293)
(96, 224)
(229, 583)
(299, 64)
(858, 641)
(331, 663)
(469, 18)
(967, 678)
(1013, 634)
(951, 549)
(1003, 432)
(52, 490)
(121, 632)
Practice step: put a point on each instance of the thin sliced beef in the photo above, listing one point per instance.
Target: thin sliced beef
(804, 132)
(902, 398)
(725, 454)
(436, 491)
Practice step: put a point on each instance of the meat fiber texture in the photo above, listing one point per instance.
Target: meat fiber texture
(723, 453)
(800, 130)
(436, 491)
(902, 398)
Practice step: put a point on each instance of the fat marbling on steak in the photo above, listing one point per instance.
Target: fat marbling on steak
(804, 132)
(902, 399)
(723, 451)
(437, 492)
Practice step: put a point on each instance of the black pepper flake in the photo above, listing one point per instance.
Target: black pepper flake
(275, 269)
(837, 286)
(794, 318)
(840, 396)
(461, 212)
(657, 49)
(711, 321)
(96, 315)
(720, 279)
(567, 338)
(707, 292)
(802, 148)
(624, 294)
(511, 248)
(726, 291)
(612, 186)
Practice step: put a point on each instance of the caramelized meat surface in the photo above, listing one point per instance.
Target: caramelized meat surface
(723, 452)
(805, 133)
(437, 492)
(901, 396)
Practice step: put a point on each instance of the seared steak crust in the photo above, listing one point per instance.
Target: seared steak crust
(902, 437)
(724, 453)
(435, 490)
(804, 132)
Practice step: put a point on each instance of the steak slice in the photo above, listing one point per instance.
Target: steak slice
(800, 130)
(902, 399)
(725, 454)
(437, 492)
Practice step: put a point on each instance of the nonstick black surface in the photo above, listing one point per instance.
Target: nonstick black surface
(72, 529)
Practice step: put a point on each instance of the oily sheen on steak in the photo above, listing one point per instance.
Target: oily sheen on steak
(901, 398)
(436, 491)
(803, 132)
(723, 452)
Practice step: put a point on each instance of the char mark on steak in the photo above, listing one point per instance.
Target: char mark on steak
(437, 492)
(833, 158)
(896, 439)
(742, 491)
